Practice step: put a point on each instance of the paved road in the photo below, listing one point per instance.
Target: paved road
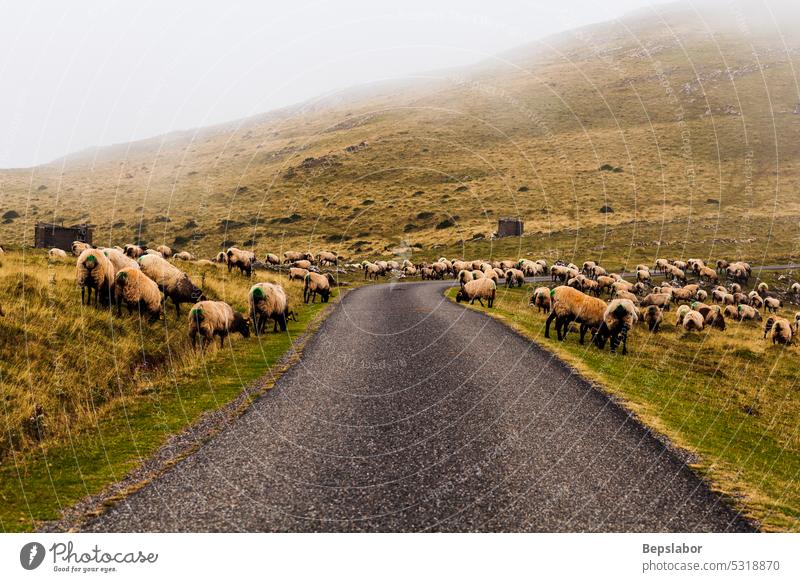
(410, 413)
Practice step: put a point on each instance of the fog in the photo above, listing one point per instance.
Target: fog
(84, 73)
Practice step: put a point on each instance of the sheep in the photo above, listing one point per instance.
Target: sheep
(268, 301)
(272, 259)
(56, 254)
(315, 283)
(627, 295)
(120, 260)
(559, 273)
(755, 300)
(621, 286)
(221, 257)
(712, 317)
(541, 299)
(570, 305)
(772, 304)
(738, 272)
(643, 276)
(215, 318)
(653, 316)
(78, 247)
(604, 283)
(409, 270)
(484, 288)
(133, 251)
(708, 274)
(184, 256)
(459, 266)
(590, 287)
(302, 264)
(153, 252)
(728, 299)
(327, 258)
(599, 271)
(661, 300)
(779, 330)
(681, 314)
(677, 274)
(701, 295)
(139, 290)
(241, 259)
(762, 288)
(662, 265)
(746, 313)
(686, 293)
(508, 264)
(735, 288)
(292, 256)
(175, 284)
(718, 295)
(693, 321)
(588, 267)
(795, 324)
(298, 274)
(618, 319)
(95, 271)
(722, 265)
(373, 271)
(514, 277)
(165, 251)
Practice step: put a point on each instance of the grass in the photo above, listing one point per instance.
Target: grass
(109, 391)
(730, 397)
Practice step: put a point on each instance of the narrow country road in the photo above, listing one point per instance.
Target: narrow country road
(410, 413)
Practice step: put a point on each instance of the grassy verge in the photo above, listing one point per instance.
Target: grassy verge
(728, 397)
(92, 431)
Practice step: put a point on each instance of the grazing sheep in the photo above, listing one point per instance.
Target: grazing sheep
(272, 259)
(295, 273)
(642, 267)
(137, 290)
(762, 288)
(735, 288)
(755, 300)
(661, 300)
(302, 264)
(56, 254)
(604, 283)
(292, 256)
(241, 259)
(95, 271)
(779, 330)
(480, 289)
(701, 295)
(728, 299)
(662, 265)
(738, 272)
(681, 314)
(215, 318)
(327, 258)
(541, 299)
(165, 251)
(708, 274)
(184, 256)
(590, 287)
(78, 247)
(133, 251)
(713, 317)
(686, 293)
(722, 265)
(599, 271)
(653, 316)
(746, 313)
(119, 259)
(221, 257)
(693, 321)
(643, 276)
(315, 283)
(514, 277)
(373, 271)
(175, 284)
(153, 252)
(677, 274)
(570, 305)
(795, 324)
(618, 319)
(268, 301)
(588, 267)
(772, 304)
(627, 295)
(795, 289)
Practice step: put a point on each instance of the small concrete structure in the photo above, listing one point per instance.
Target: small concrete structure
(510, 227)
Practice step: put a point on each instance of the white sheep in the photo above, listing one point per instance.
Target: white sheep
(215, 318)
(478, 289)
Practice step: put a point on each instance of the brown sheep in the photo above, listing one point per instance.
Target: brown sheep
(570, 305)
(653, 316)
(541, 299)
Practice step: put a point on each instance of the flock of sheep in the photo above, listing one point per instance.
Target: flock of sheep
(578, 298)
(143, 279)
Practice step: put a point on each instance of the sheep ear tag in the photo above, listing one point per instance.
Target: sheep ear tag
(258, 292)
(552, 292)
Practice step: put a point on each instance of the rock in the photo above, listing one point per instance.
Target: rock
(606, 209)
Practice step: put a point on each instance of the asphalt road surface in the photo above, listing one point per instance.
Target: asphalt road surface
(410, 413)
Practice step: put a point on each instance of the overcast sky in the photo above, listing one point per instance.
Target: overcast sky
(75, 73)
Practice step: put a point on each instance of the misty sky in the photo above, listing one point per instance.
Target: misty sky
(80, 73)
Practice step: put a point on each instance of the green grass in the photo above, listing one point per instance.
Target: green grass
(94, 434)
(729, 397)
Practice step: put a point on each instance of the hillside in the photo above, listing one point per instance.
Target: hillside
(684, 123)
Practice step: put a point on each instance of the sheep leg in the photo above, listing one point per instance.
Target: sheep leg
(193, 337)
(550, 319)
(177, 308)
(281, 321)
(584, 327)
